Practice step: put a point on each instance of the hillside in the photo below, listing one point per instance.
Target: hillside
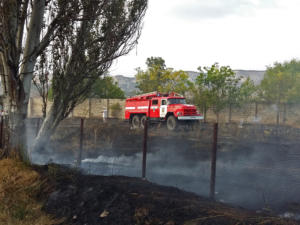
(128, 84)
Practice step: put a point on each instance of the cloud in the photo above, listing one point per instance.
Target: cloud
(214, 9)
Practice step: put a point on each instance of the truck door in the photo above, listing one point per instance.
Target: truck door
(163, 108)
(154, 109)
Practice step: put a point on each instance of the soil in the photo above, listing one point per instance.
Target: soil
(89, 200)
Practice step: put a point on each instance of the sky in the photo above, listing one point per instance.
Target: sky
(242, 34)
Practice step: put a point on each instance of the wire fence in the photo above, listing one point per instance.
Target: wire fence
(252, 165)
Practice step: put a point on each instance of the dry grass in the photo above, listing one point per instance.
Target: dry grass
(20, 187)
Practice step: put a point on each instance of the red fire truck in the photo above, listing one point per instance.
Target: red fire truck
(170, 108)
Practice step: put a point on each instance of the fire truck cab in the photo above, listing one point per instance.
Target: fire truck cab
(170, 108)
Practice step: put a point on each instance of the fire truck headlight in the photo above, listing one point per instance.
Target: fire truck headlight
(179, 113)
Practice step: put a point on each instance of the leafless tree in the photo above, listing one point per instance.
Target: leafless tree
(41, 80)
(84, 36)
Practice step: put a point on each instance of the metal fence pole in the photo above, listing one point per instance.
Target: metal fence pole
(213, 162)
(1, 132)
(80, 142)
(37, 127)
(145, 149)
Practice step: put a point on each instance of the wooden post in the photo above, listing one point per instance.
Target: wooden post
(213, 162)
(80, 142)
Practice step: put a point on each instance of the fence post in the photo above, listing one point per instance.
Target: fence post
(81, 142)
(1, 132)
(256, 110)
(145, 149)
(107, 107)
(37, 127)
(213, 162)
(90, 108)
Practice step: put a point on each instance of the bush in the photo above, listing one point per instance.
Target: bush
(116, 110)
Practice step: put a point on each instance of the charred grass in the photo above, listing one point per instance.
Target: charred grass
(32, 195)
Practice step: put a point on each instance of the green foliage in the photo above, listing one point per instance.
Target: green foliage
(218, 87)
(106, 88)
(159, 78)
(281, 83)
(102, 88)
(158, 62)
(116, 109)
(247, 91)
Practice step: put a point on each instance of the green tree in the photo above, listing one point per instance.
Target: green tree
(159, 78)
(201, 98)
(281, 84)
(240, 93)
(153, 62)
(216, 88)
(106, 88)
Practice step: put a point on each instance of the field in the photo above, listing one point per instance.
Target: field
(257, 165)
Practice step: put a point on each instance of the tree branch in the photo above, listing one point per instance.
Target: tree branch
(20, 29)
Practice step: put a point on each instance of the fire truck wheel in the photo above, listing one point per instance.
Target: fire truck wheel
(171, 123)
(143, 121)
(135, 122)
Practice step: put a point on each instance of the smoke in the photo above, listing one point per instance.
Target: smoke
(251, 172)
(263, 175)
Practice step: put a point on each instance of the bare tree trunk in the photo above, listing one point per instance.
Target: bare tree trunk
(218, 116)
(44, 107)
(277, 114)
(47, 129)
(107, 106)
(284, 113)
(229, 114)
(17, 83)
(256, 110)
(204, 112)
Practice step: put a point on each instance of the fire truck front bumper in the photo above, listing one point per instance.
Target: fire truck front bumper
(190, 117)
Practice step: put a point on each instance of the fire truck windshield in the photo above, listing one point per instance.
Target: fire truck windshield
(176, 101)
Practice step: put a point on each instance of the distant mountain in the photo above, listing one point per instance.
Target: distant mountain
(255, 75)
(128, 84)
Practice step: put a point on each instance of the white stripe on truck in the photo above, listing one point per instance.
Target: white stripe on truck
(190, 117)
(129, 107)
(143, 107)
